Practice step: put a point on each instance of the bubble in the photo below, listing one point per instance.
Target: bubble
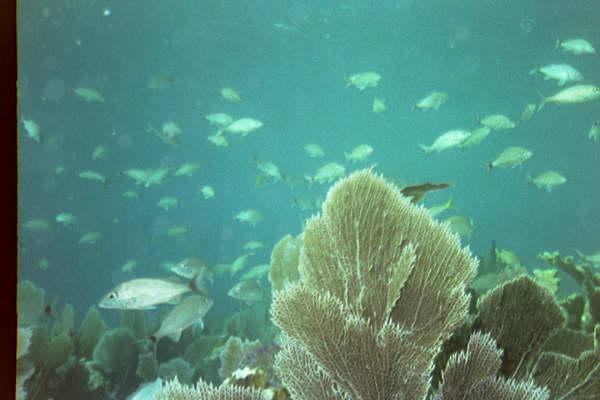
(528, 25)
(55, 89)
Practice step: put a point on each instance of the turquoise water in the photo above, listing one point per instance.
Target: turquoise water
(289, 61)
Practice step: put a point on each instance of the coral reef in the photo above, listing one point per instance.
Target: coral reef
(364, 311)
(173, 390)
(472, 375)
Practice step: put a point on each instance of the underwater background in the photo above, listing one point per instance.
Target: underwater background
(289, 61)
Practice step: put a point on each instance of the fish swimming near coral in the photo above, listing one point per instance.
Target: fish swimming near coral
(416, 192)
(144, 293)
(188, 312)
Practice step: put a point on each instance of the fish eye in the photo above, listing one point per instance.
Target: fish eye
(112, 295)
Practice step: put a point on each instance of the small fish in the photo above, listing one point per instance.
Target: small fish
(169, 133)
(269, 170)
(187, 169)
(359, 153)
(37, 225)
(378, 105)
(242, 126)
(218, 140)
(90, 238)
(477, 136)
(327, 173)
(432, 101)
(447, 141)
(188, 312)
(497, 122)
(147, 177)
(363, 80)
(144, 294)
(573, 95)
(89, 94)
(594, 132)
(256, 272)
(508, 258)
(219, 119)
(314, 150)
(33, 129)
(510, 158)
(160, 82)
(65, 218)
(528, 112)
(548, 180)
(92, 176)
(250, 216)
(168, 202)
(230, 95)
(99, 152)
(178, 230)
(285, 27)
(130, 194)
(562, 73)
(238, 264)
(437, 210)
(129, 265)
(461, 225)
(416, 192)
(207, 191)
(249, 291)
(253, 245)
(59, 170)
(576, 46)
(193, 268)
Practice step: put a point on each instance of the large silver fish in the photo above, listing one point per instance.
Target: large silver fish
(144, 293)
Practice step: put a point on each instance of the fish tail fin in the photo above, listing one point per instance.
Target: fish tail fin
(309, 179)
(450, 204)
(478, 120)
(490, 166)
(413, 108)
(529, 178)
(426, 149)
(557, 43)
(543, 101)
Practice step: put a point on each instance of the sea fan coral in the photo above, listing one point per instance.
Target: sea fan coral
(382, 285)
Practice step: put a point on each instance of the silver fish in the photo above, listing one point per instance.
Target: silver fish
(144, 294)
(190, 311)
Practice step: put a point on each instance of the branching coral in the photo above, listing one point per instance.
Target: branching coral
(173, 390)
(382, 284)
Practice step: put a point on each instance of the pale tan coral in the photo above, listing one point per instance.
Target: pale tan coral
(173, 390)
(382, 285)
